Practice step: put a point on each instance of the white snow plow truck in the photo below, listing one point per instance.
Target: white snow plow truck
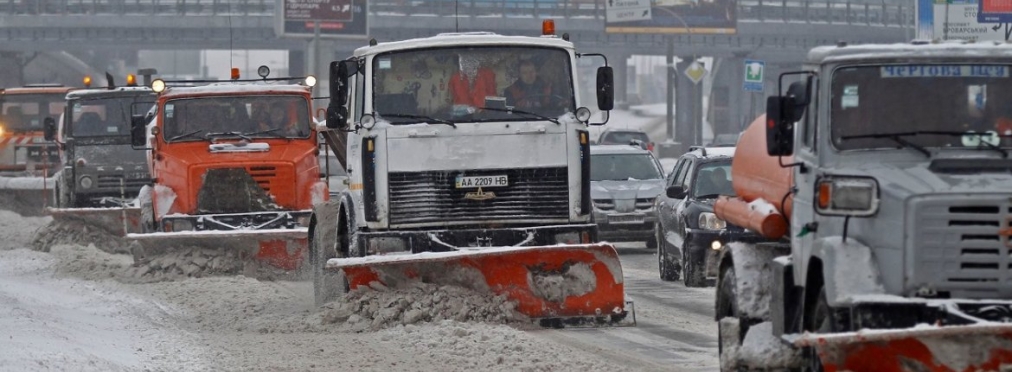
(469, 161)
(881, 178)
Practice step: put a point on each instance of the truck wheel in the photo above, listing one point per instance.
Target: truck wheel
(819, 320)
(327, 285)
(727, 306)
(693, 268)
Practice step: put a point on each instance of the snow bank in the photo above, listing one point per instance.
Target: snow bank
(379, 307)
(15, 229)
(761, 349)
(77, 232)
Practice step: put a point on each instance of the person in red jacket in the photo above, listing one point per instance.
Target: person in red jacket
(471, 84)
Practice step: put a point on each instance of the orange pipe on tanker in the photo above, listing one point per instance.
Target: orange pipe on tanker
(755, 174)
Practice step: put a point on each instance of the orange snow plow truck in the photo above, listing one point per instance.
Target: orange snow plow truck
(235, 169)
(880, 178)
(470, 189)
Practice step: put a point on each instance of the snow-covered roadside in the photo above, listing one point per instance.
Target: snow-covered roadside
(76, 308)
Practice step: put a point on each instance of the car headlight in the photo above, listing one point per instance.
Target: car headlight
(86, 182)
(710, 221)
(846, 196)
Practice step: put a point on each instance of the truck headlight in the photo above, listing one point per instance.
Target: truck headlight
(86, 182)
(710, 221)
(846, 196)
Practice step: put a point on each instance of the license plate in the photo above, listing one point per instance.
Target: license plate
(481, 181)
(625, 219)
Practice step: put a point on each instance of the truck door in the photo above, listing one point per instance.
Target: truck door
(803, 211)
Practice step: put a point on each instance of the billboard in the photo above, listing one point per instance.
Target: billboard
(671, 16)
(994, 11)
(336, 18)
(956, 20)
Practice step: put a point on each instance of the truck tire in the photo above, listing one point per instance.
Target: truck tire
(327, 285)
(818, 319)
(667, 271)
(727, 306)
(692, 269)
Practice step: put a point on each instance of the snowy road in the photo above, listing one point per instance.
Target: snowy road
(74, 308)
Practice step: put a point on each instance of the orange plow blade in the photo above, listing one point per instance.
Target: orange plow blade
(556, 282)
(116, 221)
(284, 249)
(965, 348)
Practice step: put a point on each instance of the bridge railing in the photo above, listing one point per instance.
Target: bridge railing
(890, 13)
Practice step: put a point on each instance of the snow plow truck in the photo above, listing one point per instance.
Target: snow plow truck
(455, 178)
(101, 173)
(880, 178)
(27, 161)
(235, 171)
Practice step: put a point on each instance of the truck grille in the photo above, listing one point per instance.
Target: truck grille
(264, 175)
(111, 181)
(963, 245)
(431, 197)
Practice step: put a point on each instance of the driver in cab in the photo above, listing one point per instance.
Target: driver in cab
(530, 92)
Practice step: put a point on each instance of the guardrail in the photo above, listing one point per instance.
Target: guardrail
(890, 13)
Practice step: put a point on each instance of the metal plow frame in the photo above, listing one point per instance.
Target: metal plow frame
(555, 285)
(285, 249)
(960, 348)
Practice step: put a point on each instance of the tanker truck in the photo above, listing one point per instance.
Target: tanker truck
(880, 178)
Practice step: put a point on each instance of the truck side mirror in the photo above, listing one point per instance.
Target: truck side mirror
(138, 131)
(337, 117)
(340, 71)
(779, 127)
(605, 88)
(49, 129)
(675, 191)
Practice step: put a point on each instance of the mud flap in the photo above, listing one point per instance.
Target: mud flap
(978, 347)
(284, 249)
(560, 281)
(116, 221)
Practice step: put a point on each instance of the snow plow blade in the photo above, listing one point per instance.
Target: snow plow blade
(116, 221)
(284, 249)
(27, 196)
(962, 348)
(547, 282)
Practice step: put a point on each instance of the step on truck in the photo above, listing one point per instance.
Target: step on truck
(101, 172)
(455, 176)
(880, 178)
(27, 161)
(235, 172)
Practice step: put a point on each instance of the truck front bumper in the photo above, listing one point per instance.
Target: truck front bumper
(443, 240)
(236, 221)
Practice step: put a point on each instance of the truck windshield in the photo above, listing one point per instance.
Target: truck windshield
(472, 84)
(623, 167)
(924, 103)
(107, 116)
(25, 112)
(260, 116)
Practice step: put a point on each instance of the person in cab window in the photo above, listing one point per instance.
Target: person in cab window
(471, 83)
(261, 116)
(284, 119)
(531, 92)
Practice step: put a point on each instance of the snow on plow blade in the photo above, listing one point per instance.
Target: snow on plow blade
(966, 348)
(285, 249)
(27, 196)
(116, 221)
(557, 282)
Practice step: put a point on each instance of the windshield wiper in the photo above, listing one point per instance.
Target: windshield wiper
(428, 119)
(184, 135)
(896, 137)
(223, 134)
(982, 143)
(539, 116)
(268, 131)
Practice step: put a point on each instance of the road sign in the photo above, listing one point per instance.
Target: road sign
(336, 18)
(754, 75)
(627, 10)
(994, 11)
(962, 21)
(696, 71)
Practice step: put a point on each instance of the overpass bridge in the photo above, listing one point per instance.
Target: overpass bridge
(776, 31)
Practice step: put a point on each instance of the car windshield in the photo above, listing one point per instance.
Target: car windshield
(622, 138)
(109, 116)
(623, 167)
(903, 99)
(261, 116)
(713, 179)
(472, 84)
(25, 112)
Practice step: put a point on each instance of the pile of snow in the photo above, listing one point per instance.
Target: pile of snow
(186, 261)
(58, 232)
(379, 307)
(761, 349)
(14, 229)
